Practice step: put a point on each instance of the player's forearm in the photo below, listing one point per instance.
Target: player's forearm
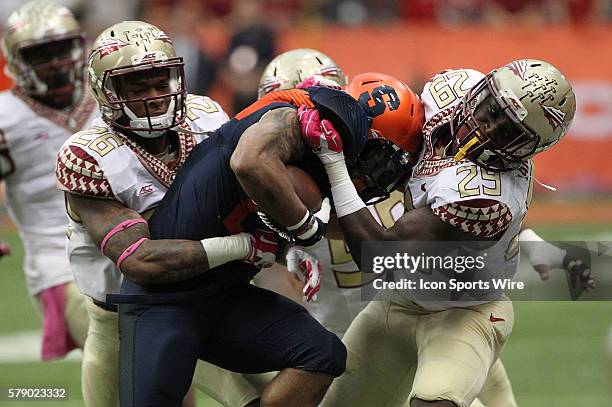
(165, 261)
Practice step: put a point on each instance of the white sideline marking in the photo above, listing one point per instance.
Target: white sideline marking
(24, 346)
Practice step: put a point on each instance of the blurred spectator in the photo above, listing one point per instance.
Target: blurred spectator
(251, 46)
(181, 19)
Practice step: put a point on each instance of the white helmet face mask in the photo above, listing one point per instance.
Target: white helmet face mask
(148, 125)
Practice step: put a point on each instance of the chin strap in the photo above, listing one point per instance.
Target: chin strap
(464, 150)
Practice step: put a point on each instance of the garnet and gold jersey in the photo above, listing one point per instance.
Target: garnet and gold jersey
(103, 163)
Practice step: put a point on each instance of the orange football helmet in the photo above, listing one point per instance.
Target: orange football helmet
(397, 118)
(396, 112)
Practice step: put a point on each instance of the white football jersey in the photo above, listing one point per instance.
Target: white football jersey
(339, 299)
(32, 134)
(470, 198)
(103, 163)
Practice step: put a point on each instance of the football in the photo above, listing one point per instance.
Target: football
(305, 187)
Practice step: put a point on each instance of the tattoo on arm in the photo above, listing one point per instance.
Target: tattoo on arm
(155, 261)
(279, 131)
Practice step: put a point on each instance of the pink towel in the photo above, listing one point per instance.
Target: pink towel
(56, 341)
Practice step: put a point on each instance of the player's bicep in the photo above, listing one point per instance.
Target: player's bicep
(276, 136)
(100, 216)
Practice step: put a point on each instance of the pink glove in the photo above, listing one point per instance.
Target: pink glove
(5, 249)
(318, 80)
(320, 135)
(310, 270)
(264, 248)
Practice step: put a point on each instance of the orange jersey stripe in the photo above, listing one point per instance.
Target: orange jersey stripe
(296, 97)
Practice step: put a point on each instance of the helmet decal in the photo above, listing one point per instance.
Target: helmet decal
(109, 46)
(555, 116)
(162, 36)
(518, 68)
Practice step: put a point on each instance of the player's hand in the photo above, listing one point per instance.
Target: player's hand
(542, 255)
(306, 266)
(5, 249)
(264, 248)
(320, 135)
(318, 80)
(578, 270)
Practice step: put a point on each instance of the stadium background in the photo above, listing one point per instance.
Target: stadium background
(557, 352)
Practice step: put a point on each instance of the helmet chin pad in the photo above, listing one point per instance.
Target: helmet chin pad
(151, 126)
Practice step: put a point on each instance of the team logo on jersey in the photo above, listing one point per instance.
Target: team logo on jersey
(107, 47)
(555, 116)
(518, 68)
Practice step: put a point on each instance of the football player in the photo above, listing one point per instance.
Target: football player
(116, 172)
(218, 316)
(44, 49)
(339, 299)
(480, 134)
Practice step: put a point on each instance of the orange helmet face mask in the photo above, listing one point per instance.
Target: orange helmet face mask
(397, 117)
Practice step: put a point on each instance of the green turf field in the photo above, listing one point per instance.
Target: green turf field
(555, 357)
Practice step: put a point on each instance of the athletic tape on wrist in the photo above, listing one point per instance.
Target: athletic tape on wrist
(126, 224)
(221, 250)
(300, 223)
(346, 199)
(539, 251)
(129, 251)
(305, 228)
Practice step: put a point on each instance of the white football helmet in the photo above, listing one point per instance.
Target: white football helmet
(29, 32)
(513, 113)
(136, 47)
(292, 67)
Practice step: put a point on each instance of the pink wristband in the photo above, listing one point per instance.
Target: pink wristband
(126, 224)
(129, 251)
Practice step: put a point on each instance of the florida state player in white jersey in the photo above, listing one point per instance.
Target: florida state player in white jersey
(44, 49)
(115, 173)
(472, 182)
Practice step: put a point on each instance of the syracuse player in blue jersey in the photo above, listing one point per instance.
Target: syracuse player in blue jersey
(218, 316)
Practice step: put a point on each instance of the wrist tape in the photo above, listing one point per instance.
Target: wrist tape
(221, 250)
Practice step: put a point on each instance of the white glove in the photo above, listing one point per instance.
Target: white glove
(542, 255)
(309, 269)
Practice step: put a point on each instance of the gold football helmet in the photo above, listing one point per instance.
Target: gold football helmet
(44, 50)
(512, 114)
(136, 48)
(292, 67)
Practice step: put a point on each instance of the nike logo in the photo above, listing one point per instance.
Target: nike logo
(264, 239)
(495, 319)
